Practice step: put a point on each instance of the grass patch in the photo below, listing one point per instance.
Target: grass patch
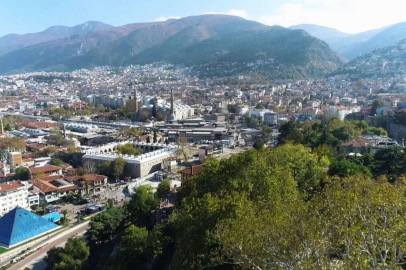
(3, 250)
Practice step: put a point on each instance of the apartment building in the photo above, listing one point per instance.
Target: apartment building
(13, 194)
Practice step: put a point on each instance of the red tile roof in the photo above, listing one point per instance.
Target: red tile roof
(49, 178)
(44, 169)
(44, 186)
(358, 142)
(193, 170)
(10, 186)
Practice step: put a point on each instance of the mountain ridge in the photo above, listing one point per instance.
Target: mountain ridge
(192, 41)
(353, 45)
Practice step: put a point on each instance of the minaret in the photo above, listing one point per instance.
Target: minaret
(135, 99)
(132, 85)
(172, 117)
(171, 101)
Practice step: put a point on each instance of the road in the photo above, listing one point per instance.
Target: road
(36, 260)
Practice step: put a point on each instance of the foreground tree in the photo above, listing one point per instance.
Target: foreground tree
(136, 248)
(105, 225)
(72, 257)
(141, 205)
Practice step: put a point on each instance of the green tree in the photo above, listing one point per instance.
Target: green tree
(259, 144)
(12, 144)
(72, 257)
(363, 221)
(131, 132)
(128, 149)
(100, 108)
(233, 108)
(390, 162)
(141, 205)
(118, 167)
(219, 193)
(21, 173)
(163, 188)
(342, 133)
(56, 162)
(136, 248)
(105, 168)
(105, 226)
(8, 127)
(56, 137)
(375, 105)
(345, 168)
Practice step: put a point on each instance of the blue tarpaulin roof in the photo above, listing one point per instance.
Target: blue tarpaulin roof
(20, 224)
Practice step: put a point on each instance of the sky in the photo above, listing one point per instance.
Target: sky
(350, 16)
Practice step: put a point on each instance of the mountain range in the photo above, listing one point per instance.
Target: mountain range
(351, 46)
(196, 41)
(387, 62)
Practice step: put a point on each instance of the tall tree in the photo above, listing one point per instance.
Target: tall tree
(163, 188)
(390, 162)
(141, 205)
(118, 167)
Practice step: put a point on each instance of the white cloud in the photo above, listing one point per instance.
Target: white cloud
(162, 19)
(349, 16)
(234, 12)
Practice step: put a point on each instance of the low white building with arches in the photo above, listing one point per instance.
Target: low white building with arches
(137, 166)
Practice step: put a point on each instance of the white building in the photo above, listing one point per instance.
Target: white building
(180, 111)
(271, 118)
(309, 113)
(257, 113)
(137, 166)
(341, 112)
(12, 195)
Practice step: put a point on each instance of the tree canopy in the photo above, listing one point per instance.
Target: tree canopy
(72, 257)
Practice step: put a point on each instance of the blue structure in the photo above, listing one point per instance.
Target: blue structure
(53, 217)
(20, 225)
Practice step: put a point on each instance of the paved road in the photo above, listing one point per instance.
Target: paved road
(35, 260)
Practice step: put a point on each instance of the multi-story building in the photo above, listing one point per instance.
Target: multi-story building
(52, 188)
(13, 194)
(48, 170)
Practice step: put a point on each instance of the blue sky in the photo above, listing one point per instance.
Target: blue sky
(27, 16)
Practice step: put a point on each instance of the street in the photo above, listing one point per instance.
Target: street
(36, 260)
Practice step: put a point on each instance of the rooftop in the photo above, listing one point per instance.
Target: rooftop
(19, 225)
(5, 187)
(44, 169)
